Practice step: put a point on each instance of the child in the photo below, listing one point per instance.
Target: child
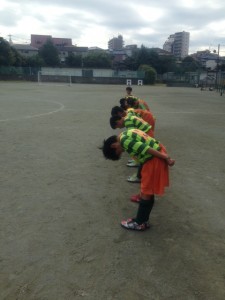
(143, 114)
(129, 91)
(147, 117)
(155, 173)
(134, 102)
(123, 103)
(130, 122)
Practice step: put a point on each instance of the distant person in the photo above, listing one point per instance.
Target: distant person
(133, 102)
(128, 91)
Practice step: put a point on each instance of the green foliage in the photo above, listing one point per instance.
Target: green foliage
(189, 64)
(49, 54)
(150, 74)
(147, 56)
(34, 61)
(130, 63)
(8, 55)
(74, 60)
(97, 60)
(166, 64)
(146, 59)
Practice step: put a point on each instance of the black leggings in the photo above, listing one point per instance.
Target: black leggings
(139, 171)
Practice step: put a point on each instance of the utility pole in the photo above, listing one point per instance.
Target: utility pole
(10, 38)
(217, 65)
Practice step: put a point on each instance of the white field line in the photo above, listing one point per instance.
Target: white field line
(38, 115)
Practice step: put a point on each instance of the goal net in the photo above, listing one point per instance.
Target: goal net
(51, 77)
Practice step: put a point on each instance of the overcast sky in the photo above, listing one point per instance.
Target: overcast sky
(93, 22)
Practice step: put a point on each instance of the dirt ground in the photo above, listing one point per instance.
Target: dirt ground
(61, 202)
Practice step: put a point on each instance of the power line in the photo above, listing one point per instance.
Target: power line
(12, 37)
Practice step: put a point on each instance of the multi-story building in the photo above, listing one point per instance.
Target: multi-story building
(168, 45)
(38, 41)
(116, 43)
(178, 44)
(181, 44)
(207, 59)
(129, 49)
(63, 45)
(25, 50)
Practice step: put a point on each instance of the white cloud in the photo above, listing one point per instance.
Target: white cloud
(94, 22)
(146, 31)
(148, 14)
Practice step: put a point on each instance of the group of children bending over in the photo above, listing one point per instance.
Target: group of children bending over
(146, 152)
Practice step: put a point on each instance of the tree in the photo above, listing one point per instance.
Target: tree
(166, 64)
(189, 64)
(8, 55)
(97, 60)
(150, 74)
(34, 61)
(146, 56)
(49, 54)
(74, 60)
(130, 63)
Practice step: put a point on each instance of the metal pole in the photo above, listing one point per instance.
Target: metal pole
(217, 66)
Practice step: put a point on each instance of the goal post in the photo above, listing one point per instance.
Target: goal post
(51, 77)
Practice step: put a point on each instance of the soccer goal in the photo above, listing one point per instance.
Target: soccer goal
(51, 77)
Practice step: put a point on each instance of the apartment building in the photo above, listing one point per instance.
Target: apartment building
(38, 41)
(116, 43)
(25, 50)
(178, 44)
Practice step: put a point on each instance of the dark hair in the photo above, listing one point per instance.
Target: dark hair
(123, 103)
(129, 88)
(113, 121)
(131, 101)
(108, 151)
(115, 110)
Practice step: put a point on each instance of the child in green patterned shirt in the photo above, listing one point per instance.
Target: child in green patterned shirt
(131, 122)
(155, 174)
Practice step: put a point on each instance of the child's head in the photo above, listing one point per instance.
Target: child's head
(118, 111)
(111, 148)
(123, 103)
(132, 102)
(129, 90)
(116, 122)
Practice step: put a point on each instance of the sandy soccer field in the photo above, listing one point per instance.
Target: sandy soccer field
(62, 202)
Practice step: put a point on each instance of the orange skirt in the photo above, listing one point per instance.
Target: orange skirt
(155, 175)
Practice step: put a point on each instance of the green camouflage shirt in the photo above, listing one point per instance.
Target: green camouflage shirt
(136, 143)
(132, 122)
